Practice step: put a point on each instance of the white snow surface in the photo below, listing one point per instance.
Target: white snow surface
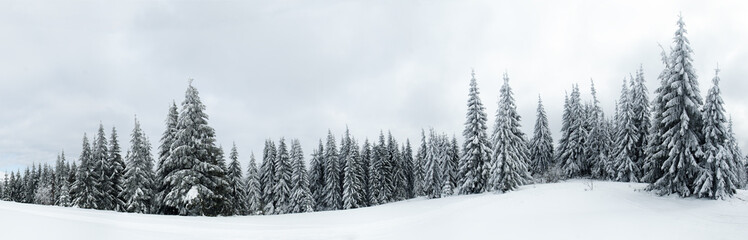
(567, 210)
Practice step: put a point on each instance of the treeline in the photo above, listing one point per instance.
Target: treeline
(677, 142)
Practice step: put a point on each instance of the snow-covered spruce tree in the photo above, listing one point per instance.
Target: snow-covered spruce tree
(165, 164)
(366, 154)
(624, 156)
(362, 169)
(85, 191)
(29, 184)
(408, 168)
(197, 184)
(717, 177)
(102, 166)
(682, 121)
(588, 122)
(43, 193)
(508, 166)
(301, 197)
(656, 152)
(11, 190)
(116, 172)
(597, 144)
(570, 152)
(449, 167)
(63, 199)
(55, 180)
(353, 189)
(137, 187)
(388, 169)
(432, 178)
(563, 142)
(317, 177)
(4, 186)
(418, 170)
(345, 142)
(253, 191)
(32, 182)
(7, 187)
(72, 173)
(608, 134)
(476, 150)
(641, 116)
(398, 182)
(237, 191)
(541, 145)
(283, 175)
(221, 203)
(62, 171)
(267, 177)
(333, 191)
(737, 157)
(376, 183)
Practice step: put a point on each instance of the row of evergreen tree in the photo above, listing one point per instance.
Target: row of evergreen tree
(677, 144)
(680, 145)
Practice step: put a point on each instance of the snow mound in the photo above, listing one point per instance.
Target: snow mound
(577, 209)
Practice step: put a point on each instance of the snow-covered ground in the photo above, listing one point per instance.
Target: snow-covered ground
(568, 210)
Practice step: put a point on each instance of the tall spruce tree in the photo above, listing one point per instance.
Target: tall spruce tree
(139, 179)
(237, 196)
(717, 177)
(656, 151)
(449, 167)
(377, 193)
(345, 142)
(570, 152)
(317, 177)
(418, 169)
(541, 145)
(165, 164)
(85, 190)
(641, 116)
(508, 166)
(301, 198)
(597, 143)
(253, 191)
(333, 191)
(395, 179)
(353, 188)
(116, 172)
(682, 121)
(60, 175)
(267, 177)
(103, 168)
(283, 175)
(409, 168)
(366, 155)
(627, 169)
(476, 150)
(433, 174)
(197, 184)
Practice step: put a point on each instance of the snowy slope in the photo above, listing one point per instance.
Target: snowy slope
(567, 210)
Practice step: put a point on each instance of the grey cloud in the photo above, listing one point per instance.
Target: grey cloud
(267, 69)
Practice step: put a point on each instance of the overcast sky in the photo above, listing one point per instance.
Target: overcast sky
(267, 69)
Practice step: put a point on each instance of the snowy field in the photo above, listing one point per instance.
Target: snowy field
(568, 210)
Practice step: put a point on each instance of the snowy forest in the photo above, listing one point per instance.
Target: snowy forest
(676, 140)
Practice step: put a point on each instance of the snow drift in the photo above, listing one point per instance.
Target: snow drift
(577, 209)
